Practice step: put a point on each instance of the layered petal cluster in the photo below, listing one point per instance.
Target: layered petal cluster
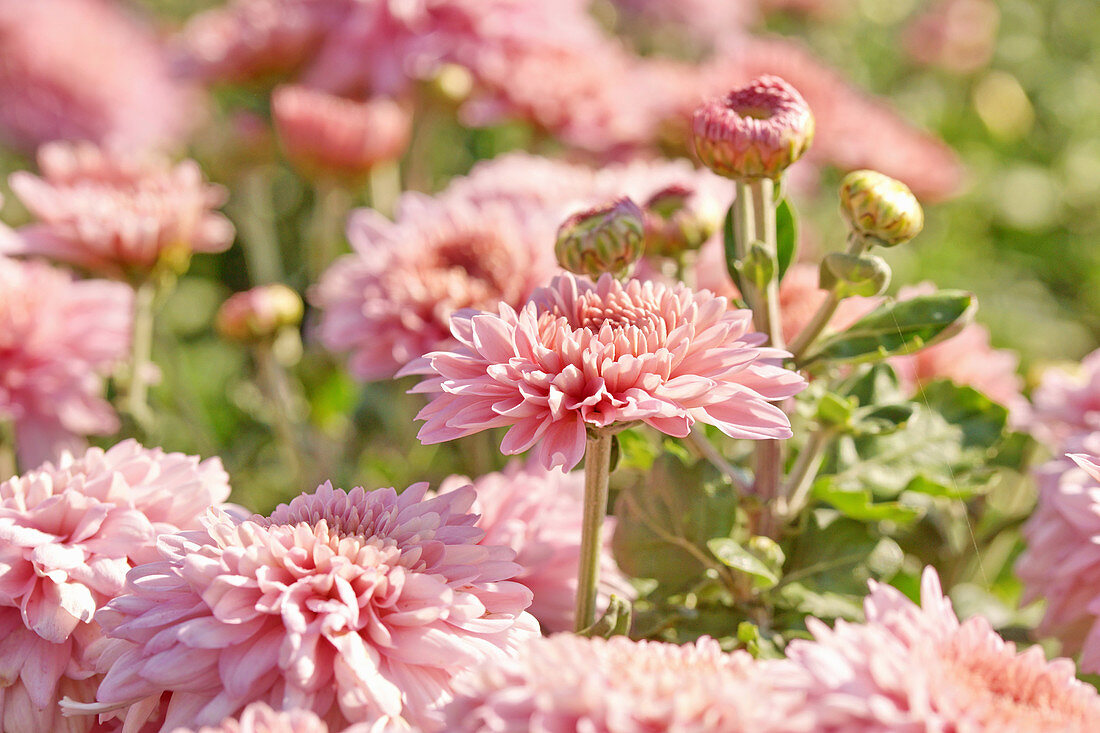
(966, 358)
(571, 683)
(262, 718)
(1067, 402)
(327, 135)
(118, 213)
(58, 339)
(1061, 564)
(585, 355)
(538, 514)
(359, 606)
(85, 70)
(70, 532)
(917, 668)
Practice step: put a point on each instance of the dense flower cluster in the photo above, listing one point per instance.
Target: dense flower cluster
(71, 531)
(584, 354)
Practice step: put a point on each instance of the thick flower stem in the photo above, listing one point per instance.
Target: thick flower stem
(330, 209)
(763, 199)
(141, 352)
(256, 222)
(797, 489)
(597, 470)
(817, 324)
(744, 222)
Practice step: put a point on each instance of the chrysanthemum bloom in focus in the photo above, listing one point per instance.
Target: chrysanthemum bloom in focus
(571, 683)
(917, 668)
(329, 136)
(262, 718)
(356, 606)
(586, 355)
(967, 358)
(538, 513)
(58, 339)
(391, 301)
(757, 131)
(1066, 402)
(1061, 564)
(118, 214)
(85, 70)
(70, 532)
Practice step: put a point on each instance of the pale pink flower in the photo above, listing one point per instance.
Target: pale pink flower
(538, 514)
(328, 135)
(957, 35)
(117, 213)
(571, 683)
(70, 533)
(58, 338)
(1061, 564)
(583, 354)
(1066, 402)
(261, 718)
(391, 300)
(966, 358)
(85, 70)
(353, 605)
(912, 669)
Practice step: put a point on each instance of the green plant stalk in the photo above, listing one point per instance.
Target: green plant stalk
(330, 208)
(256, 222)
(9, 463)
(744, 228)
(141, 353)
(817, 324)
(597, 471)
(274, 381)
(797, 489)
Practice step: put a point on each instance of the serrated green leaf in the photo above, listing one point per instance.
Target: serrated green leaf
(900, 327)
(733, 555)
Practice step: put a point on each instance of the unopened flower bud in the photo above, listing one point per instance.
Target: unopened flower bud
(754, 132)
(880, 207)
(609, 238)
(850, 275)
(259, 314)
(673, 226)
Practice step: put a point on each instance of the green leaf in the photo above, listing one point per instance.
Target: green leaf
(729, 240)
(882, 419)
(757, 267)
(733, 555)
(900, 327)
(786, 230)
(875, 384)
(859, 504)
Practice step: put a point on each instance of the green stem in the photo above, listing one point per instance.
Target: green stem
(597, 471)
(141, 351)
(744, 227)
(256, 223)
(797, 489)
(9, 464)
(770, 321)
(825, 311)
(275, 383)
(330, 207)
(385, 187)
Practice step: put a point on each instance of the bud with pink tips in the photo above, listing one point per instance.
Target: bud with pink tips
(260, 313)
(609, 238)
(753, 132)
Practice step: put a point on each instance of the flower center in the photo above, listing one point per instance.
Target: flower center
(480, 253)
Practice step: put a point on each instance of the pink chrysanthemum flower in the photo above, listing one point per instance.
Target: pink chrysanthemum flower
(538, 514)
(353, 605)
(965, 358)
(391, 301)
(583, 354)
(1062, 563)
(326, 135)
(116, 213)
(261, 718)
(916, 668)
(70, 532)
(1066, 402)
(58, 338)
(85, 70)
(570, 683)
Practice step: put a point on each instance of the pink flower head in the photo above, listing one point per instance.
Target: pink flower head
(85, 70)
(916, 668)
(966, 358)
(571, 683)
(353, 605)
(756, 131)
(391, 301)
(329, 135)
(70, 533)
(1062, 563)
(538, 514)
(583, 354)
(118, 214)
(261, 718)
(1066, 402)
(58, 338)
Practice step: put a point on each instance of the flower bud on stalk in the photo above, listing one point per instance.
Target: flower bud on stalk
(259, 314)
(880, 208)
(754, 132)
(672, 226)
(609, 238)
